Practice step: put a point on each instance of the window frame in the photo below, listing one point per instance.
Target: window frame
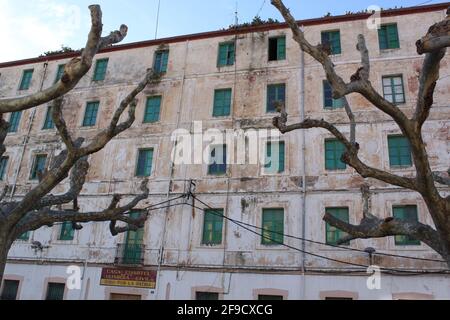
(337, 231)
(97, 77)
(25, 83)
(282, 160)
(14, 123)
(164, 63)
(48, 120)
(64, 234)
(334, 105)
(386, 34)
(144, 174)
(406, 241)
(211, 165)
(84, 122)
(49, 284)
(36, 159)
(147, 106)
(330, 33)
(392, 87)
(280, 54)
(4, 161)
(398, 153)
(4, 286)
(59, 72)
(217, 218)
(276, 87)
(226, 109)
(227, 63)
(337, 167)
(274, 241)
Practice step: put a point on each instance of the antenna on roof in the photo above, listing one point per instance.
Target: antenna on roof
(236, 17)
(157, 19)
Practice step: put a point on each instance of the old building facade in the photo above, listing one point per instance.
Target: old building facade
(228, 80)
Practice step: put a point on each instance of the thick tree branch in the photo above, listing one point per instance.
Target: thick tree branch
(429, 76)
(350, 157)
(437, 37)
(442, 177)
(373, 227)
(47, 217)
(73, 71)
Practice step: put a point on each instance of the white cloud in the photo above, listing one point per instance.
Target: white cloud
(29, 28)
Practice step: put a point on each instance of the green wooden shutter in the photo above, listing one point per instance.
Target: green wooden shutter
(226, 54)
(333, 234)
(10, 289)
(281, 48)
(329, 101)
(55, 291)
(399, 151)
(144, 164)
(222, 103)
(333, 39)
(59, 72)
(48, 123)
(67, 231)
(26, 79)
(24, 236)
(90, 115)
(212, 227)
(216, 165)
(100, 69)
(408, 213)
(333, 154)
(14, 121)
(275, 164)
(161, 61)
(273, 226)
(134, 249)
(3, 166)
(275, 93)
(38, 166)
(152, 109)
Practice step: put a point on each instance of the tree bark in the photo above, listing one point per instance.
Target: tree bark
(5, 245)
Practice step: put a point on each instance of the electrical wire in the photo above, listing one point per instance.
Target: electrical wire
(242, 225)
(328, 244)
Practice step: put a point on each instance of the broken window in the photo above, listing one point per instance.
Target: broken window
(277, 48)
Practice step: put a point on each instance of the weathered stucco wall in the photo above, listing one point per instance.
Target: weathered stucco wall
(187, 92)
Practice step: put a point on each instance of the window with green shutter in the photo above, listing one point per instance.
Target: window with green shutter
(24, 236)
(38, 166)
(407, 213)
(273, 226)
(222, 102)
(333, 154)
(275, 157)
(144, 163)
(212, 227)
(393, 89)
(133, 250)
(276, 93)
(226, 54)
(55, 291)
(14, 121)
(100, 69)
(161, 61)
(67, 231)
(333, 234)
(152, 109)
(388, 37)
(277, 48)
(10, 289)
(328, 101)
(26, 79)
(3, 166)
(333, 40)
(48, 123)
(90, 114)
(206, 296)
(59, 72)
(218, 160)
(399, 151)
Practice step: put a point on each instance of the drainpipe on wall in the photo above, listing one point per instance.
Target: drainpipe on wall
(303, 163)
(27, 137)
(172, 168)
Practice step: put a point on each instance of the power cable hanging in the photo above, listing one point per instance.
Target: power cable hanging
(317, 242)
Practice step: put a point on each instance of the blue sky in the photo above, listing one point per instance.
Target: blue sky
(31, 27)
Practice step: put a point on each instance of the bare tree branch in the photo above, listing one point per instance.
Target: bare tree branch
(442, 177)
(73, 71)
(373, 227)
(437, 37)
